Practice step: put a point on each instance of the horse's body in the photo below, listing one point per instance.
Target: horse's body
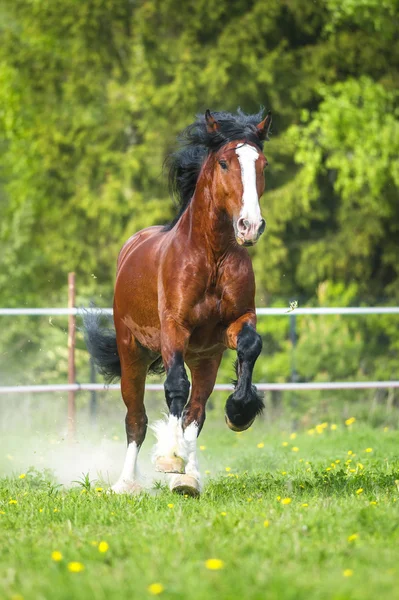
(184, 294)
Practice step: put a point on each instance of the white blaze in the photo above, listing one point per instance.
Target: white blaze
(247, 156)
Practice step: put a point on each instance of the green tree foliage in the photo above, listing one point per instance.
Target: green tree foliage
(94, 92)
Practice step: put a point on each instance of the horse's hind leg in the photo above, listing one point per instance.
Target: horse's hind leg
(134, 371)
(203, 374)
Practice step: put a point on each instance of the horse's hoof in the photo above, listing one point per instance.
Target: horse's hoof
(186, 485)
(236, 427)
(126, 487)
(169, 464)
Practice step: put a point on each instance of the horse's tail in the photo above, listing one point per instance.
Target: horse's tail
(101, 344)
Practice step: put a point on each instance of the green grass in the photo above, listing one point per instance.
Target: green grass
(302, 553)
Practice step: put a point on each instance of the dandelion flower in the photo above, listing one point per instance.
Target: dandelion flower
(283, 472)
(285, 444)
(214, 564)
(386, 429)
(295, 449)
(207, 472)
(11, 501)
(223, 513)
(75, 567)
(310, 432)
(286, 501)
(292, 436)
(2, 512)
(99, 489)
(22, 476)
(359, 491)
(305, 504)
(353, 537)
(260, 445)
(266, 523)
(368, 450)
(350, 421)
(373, 503)
(347, 573)
(228, 469)
(155, 589)
(170, 505)
(333, 427)
(103, 547)
(337, 461)
(56, 555)
(202, 447)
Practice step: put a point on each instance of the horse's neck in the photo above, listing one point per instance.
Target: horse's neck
(207, 225)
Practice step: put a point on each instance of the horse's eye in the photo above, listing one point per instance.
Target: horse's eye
(223, 164)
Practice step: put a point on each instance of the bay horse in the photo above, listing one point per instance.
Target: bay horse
(185, 292)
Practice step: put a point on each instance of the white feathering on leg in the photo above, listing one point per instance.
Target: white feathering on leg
(170, 440)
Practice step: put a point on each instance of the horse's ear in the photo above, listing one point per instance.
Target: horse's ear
(212, 125)
(264, 126)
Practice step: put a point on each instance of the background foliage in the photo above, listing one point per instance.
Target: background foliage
(92, 96)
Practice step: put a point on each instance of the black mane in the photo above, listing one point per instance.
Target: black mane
(195, 144)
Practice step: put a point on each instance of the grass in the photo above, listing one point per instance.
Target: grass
(287, 514)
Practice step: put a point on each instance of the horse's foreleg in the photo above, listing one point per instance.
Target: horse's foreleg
(203, 374)
(134, 371)
(245, 402)
(169, 453)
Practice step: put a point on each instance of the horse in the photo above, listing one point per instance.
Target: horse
(185, 292)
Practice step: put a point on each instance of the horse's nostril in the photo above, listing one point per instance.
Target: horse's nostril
(262, 227)
(243, 224)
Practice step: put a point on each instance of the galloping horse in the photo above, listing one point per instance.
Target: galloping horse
(185, 292)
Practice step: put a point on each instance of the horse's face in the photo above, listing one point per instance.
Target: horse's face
(240, 182)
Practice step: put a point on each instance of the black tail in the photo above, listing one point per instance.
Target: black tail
(101, 344)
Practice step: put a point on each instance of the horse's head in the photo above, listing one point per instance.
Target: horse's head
(238, 180)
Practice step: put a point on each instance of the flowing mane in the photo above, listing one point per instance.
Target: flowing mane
(196, 142)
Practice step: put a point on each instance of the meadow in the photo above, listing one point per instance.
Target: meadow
(284, 514)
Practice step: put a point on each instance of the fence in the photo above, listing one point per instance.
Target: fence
(72, 387)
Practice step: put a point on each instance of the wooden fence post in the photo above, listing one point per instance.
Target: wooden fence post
(71, 358)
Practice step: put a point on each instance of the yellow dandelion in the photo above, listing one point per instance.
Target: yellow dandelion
(278, 498)
(40, 509)
(333, 426)
(352, 470)
(22, 476)
(283, 472)
(328, 469)
(249, 499)
(295, 449)
(368, 450)
(103, 547)
(266, 523)
(373, 503)
(228, 469)
(260, 445)
(292, 436)
(202, 447)
(350, 452)
(333, 465)
(11, 501)
(301, 460)
(56, 510)
(337, 461)
(170, 505)
(75, 567)
(99, 489)
(207, 472)
(2, 512)
(350, 421)
(214, 564)
(285, 444)
(360, 466)
(308, 469)
(223, 513)
(359, 491)
(310, 432)
(155, 589)
(305, 504)
(353, 537)
(347, 573)
(286, 501)
(56, 555)
(386, 429)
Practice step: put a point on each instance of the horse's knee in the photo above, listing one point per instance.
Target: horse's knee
(177, 386)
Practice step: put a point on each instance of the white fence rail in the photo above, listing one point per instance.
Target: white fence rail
(343, 385)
